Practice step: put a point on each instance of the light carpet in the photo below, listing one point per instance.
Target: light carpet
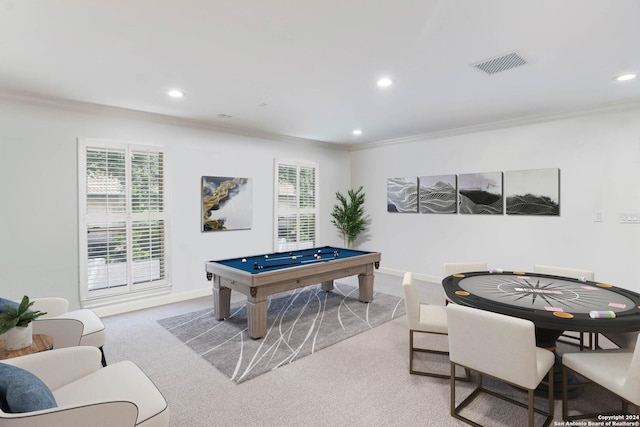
(298, 324)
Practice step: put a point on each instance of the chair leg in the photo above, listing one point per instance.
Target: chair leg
(552, 402)
(104, 360)
(478, 389)
(466, 377)
(565, 386)
(452, 387)
(586, 382)
(530, 407)
(411, 352)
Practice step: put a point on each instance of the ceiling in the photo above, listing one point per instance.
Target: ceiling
(308, 68)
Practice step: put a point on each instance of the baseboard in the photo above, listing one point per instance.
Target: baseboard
(151, 302)
(125, 307)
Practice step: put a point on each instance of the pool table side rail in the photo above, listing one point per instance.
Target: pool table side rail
(313, 273)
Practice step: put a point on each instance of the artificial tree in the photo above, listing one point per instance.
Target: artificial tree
(349, 216)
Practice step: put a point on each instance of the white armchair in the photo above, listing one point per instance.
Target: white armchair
(69, 328)
(87, 393)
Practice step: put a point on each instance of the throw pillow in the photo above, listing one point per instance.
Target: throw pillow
(21, 391)
(5, 302)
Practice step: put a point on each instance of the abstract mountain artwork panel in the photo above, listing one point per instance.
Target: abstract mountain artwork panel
(438, 194)
(533, 192)
(481, 193)
(227, 203)
(402, 194)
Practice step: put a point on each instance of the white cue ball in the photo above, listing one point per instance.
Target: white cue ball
(244, 260)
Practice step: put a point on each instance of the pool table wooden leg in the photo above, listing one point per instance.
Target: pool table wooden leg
(365, 282)
(257, 318)
(327, 286)
(221, 299)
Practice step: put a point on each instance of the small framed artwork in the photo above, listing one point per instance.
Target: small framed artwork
(402, 194)
(533, 192)
(480, 193)
(227, 203)
(437, 194)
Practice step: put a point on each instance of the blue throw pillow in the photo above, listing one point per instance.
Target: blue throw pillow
(5, 302)
(21, 391)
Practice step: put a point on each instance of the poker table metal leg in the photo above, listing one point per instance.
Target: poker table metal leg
(546, 338)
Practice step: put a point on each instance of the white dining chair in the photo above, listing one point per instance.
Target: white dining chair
(502, 347)
(617, 370)
(426, 319)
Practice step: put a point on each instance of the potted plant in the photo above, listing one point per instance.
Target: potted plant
(15, 323)
(348, 215)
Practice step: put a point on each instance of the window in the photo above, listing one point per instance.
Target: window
(296, 206)
(122, 219)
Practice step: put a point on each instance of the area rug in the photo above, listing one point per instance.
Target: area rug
(298, 324)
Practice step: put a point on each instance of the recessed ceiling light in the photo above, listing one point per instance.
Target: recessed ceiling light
(384, 82)
(357, 132)
(625, 77)
(175, 93)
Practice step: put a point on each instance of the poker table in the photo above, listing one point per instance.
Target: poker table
(259, 276)
(554, 304)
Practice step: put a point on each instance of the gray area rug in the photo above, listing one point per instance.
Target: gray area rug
(298, 324)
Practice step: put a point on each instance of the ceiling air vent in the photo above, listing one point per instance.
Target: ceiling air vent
(501, 63)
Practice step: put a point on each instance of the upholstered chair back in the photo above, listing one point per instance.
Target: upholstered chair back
(53, 306)
(411, 301)
(495, 344)
(632, 383)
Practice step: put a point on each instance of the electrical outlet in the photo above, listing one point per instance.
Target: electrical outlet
(629, 218)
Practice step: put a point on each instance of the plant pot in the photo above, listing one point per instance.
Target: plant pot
(18, 337)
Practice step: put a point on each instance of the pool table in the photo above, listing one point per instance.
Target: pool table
(259, 276)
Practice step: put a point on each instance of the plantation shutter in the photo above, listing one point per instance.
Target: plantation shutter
(122, 219)
(296, 206)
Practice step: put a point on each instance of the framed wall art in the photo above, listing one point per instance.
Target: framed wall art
(402, 194)
(227, 203)
(533, 192)
(480, 193)
(437, 194)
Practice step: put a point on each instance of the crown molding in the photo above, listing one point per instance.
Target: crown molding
(87, 107)
(503, 124)
(92, 108)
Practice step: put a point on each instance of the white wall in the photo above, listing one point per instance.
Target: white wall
(38, 179)
(599, 160)
(598, 155)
